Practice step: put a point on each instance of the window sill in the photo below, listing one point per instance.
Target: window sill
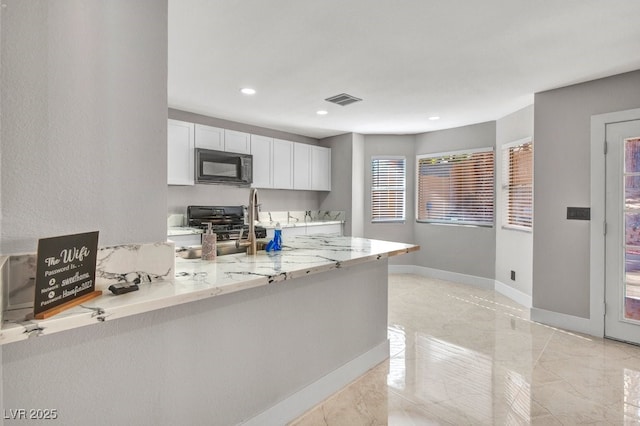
(465, 225)
(518, 229)
(401, 221)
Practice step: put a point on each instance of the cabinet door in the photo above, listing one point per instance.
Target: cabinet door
(320, 168)
(262, 151)
(239, 142)
(180, 153)
(282, 164)
(209, 137)
(288, 233)
(332, 229)
(301, 163)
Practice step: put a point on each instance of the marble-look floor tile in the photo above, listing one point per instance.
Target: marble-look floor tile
(462, 355)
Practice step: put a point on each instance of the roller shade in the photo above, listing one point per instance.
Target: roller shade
(456, 188)
(388, 188)
(517, 172)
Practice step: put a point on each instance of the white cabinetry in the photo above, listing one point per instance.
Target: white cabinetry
(277, 163)
(272, 162)
(235, 141)
(301, 166)
(320, 168)
(262, 151)
(209, 137)
(311, 167)
(282, 164)
(330, 229)
(180, 153)
(290, 232)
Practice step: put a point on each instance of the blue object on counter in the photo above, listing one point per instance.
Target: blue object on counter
(276, 243)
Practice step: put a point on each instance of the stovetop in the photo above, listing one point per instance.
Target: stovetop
(226, 221)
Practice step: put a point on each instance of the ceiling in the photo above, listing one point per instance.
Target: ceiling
(466, 61)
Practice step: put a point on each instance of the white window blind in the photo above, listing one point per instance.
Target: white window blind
(517, 187)
(388, 187)
(456, 187)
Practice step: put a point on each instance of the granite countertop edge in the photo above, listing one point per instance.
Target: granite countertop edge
(198, 279)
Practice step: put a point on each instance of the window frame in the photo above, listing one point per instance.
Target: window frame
(505, 184)
(440, 155)
(404, 189)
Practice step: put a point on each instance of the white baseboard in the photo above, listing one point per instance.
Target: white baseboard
(514, 294)
(567, 322)
(306, 398)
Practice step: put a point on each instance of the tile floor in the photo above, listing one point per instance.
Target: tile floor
(466, 356)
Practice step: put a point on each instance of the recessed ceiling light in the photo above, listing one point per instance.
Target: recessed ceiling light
(248, 91)
(322, 112)
(434, 117)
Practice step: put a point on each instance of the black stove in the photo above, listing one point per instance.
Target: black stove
(226, 221)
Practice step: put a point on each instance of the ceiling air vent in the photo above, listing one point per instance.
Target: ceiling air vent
(343, 99)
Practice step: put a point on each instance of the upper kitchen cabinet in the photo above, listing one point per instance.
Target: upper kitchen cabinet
(262, 151)
(180, 152)
(282, 164)
(320, 168)
(209, 137)
(301, 166)
(272, 162)
(235, 141)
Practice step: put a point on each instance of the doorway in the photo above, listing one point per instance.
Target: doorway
(622, 235)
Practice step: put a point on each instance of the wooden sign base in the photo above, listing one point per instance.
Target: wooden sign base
(70, 304)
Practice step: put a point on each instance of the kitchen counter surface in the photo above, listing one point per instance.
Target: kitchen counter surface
(197, 279)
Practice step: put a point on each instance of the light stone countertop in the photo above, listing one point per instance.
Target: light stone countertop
(197, 279)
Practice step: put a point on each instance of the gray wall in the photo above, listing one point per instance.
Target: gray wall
(83, 139)
(561, 179)
(179, 197)
(514, 248)
(83, 142)
(462, 249)
(347, 186)
(402, 232)
(358, 186)
(217, 361)
(342, 178)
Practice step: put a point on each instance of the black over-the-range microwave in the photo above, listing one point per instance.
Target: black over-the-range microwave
(223, 167)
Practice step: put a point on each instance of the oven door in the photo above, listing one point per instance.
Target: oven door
(223, 167)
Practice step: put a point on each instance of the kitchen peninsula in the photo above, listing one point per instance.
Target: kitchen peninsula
(252, 339)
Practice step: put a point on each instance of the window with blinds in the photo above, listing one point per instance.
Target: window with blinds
(517, 186)
(456, 187)
(388, 188)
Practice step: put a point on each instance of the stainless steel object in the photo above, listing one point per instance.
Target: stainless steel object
(250, 242)
(253, 215)
(229, 225)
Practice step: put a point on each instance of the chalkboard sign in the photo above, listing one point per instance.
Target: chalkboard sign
(65, 272)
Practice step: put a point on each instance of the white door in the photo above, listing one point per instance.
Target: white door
(622, 240)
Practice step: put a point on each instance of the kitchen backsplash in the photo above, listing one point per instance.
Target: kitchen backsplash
(300, 216)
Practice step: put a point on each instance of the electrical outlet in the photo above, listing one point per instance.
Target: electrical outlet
(513, 275)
